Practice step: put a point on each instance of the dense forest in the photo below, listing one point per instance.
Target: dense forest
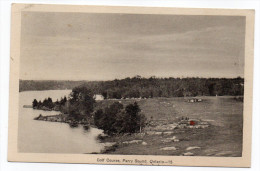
(138, 86)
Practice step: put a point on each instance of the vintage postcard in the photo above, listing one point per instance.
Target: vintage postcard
(131, 85)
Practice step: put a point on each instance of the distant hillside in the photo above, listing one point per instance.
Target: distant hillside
(29, 85)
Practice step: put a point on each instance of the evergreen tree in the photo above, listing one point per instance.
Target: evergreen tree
(35, 104)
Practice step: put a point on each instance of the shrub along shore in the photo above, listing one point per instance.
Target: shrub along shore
(79, 109)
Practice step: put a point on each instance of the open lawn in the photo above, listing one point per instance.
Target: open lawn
(222, 138)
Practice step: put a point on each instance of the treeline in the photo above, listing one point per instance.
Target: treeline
(137, 87)
(48, 104)
(34, 85)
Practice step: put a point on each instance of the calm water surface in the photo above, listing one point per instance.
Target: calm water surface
(51, 137)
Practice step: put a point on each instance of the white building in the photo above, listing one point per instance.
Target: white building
(98, 97)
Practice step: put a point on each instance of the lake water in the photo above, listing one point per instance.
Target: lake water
(51, 137)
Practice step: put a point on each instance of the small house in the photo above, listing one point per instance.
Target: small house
(98, 97)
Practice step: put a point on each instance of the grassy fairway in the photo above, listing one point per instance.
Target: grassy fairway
(222, 138)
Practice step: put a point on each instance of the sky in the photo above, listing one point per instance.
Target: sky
(85, 46)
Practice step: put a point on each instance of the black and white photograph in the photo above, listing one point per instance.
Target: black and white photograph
(131, 84)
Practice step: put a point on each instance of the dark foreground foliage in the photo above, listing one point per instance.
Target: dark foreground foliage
(116, 119)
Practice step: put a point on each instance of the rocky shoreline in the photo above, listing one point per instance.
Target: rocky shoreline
(63, 118)
(168, 133)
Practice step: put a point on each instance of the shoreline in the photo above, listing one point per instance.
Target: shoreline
(62, 118)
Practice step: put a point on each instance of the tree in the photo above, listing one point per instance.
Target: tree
(35, 103)
(109, 119)
(50, 104)
(104, 94)
(115, 119)
(57, 102)
(133, 118)
(39, 104)
(45, 103)
(81, 102)
(63, 100)
(99, 114)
